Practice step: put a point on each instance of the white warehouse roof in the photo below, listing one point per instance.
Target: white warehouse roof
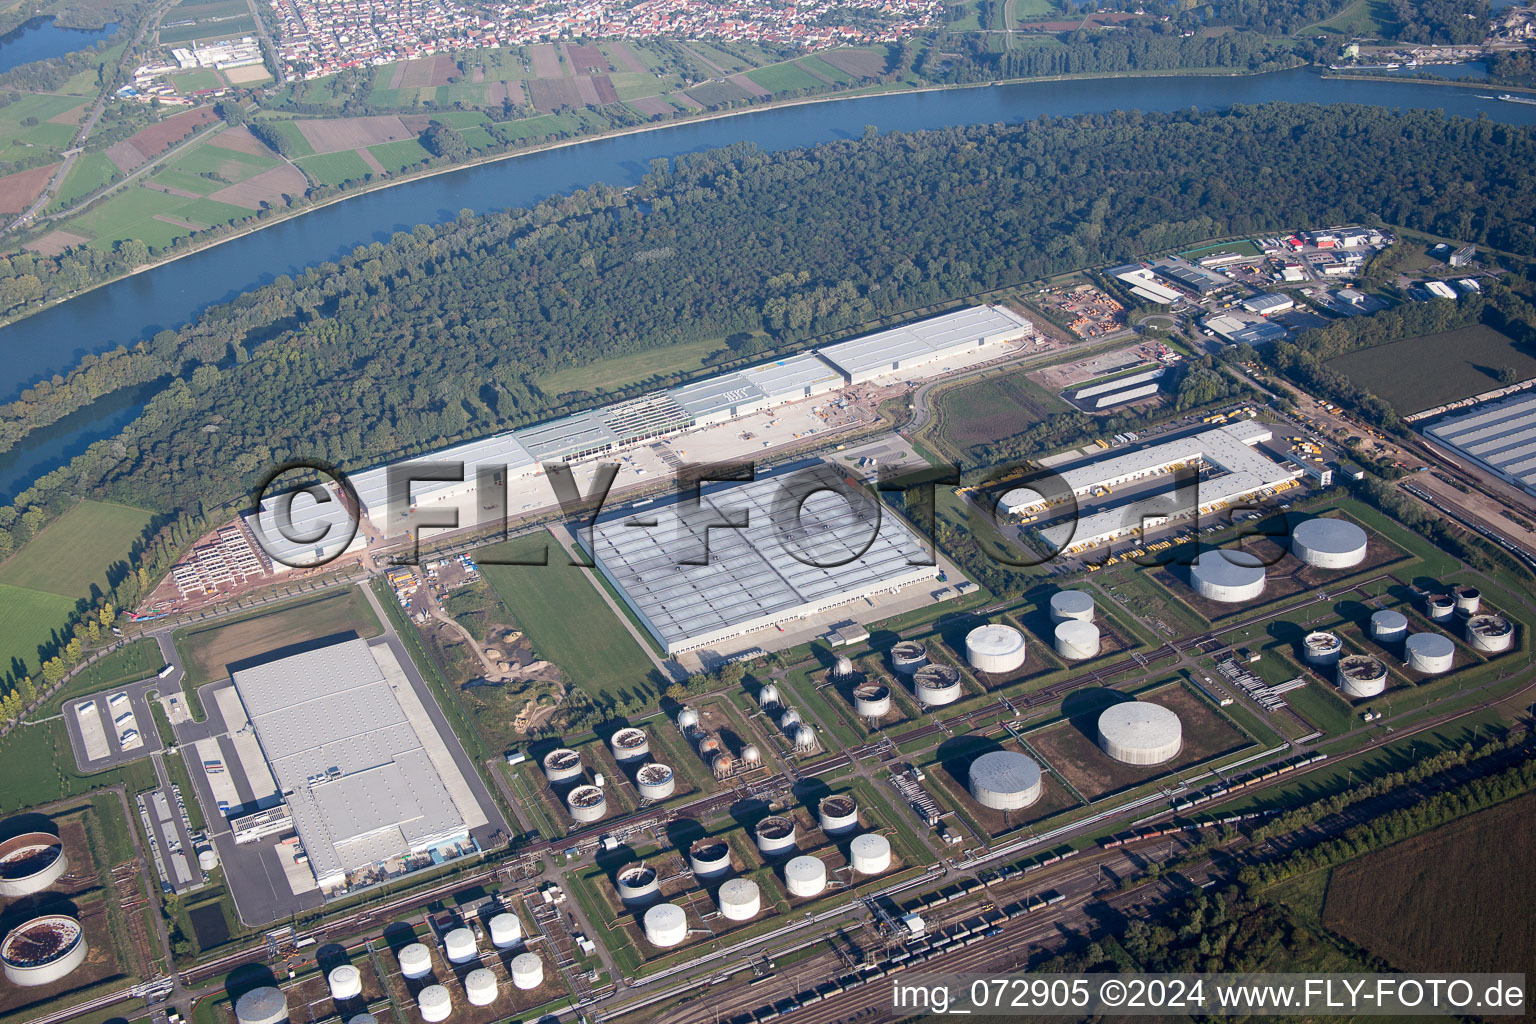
(310, 531)
(925, 341)
(1228, 447)
(1501, 435)
(752, 579)
(802, 376)
(498, 450)
(362, 776)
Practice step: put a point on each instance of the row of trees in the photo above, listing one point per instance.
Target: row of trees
(1395, 826)
(959, 58)
(1305, 360)
(1358, 792)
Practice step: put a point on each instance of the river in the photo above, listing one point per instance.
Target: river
(137, 307)
(40, 38)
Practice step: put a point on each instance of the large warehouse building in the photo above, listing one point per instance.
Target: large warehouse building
(1500, 436)
(520, 454)
(1235, 470)
(365, 776)
(927, 341)
(779, 567)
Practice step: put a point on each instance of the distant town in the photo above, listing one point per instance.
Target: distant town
(322, 37)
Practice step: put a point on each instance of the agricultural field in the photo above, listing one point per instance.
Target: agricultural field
(154, 217)
(90, 172)
(396, 156)
(205, 22)
(28, 619)
(1412, 903)
(988, 409)
(784, 78)
(1421, 373)
(209, 650)
(1364, 18)
(335, 168)
(563, 615)
(73, 552)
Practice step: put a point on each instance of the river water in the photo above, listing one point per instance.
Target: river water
(40, 38)
(135, 308)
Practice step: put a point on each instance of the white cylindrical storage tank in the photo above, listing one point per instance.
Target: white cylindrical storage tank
(805, 738)
(506, 931)
(587, 803)
(1077, 639)
(1440, 607)
(870, 853)
(265, 1005)
(751, 756)
(629, 745)
(740, 899)
(1362, 676)
(995, 648)
(434, 1003)
(655, 781)
(709, 857)
(30, 863)
(207, 859)
(459, 946)
(1468, 600)
(562, 764)
(43, 950)
(666, 924)
(480, 987)
(687, 719)
(346, 982)
(775, 834)
(871, 700)
(1429, 653)
(936, 685)
(527, 971)
(1329, 543)
(1322, 649)
(768, 695)
(1005, 780)
(638, 885)
(1388, 626)
(1140, 733)
(1227, 576)
(908, 656)
(415, 961)
(838, 814)
(1071, 604)
(789, 719)
(1490, 633)
(805, 876)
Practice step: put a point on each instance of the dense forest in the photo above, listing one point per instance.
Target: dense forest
(444, 332)
(1408, 21)
(1159, 47)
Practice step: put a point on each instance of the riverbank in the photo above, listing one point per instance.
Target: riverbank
(1460, 83)
(198, 247)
